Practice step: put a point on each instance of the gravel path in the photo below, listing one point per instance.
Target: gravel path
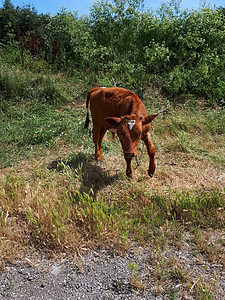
(104, 275)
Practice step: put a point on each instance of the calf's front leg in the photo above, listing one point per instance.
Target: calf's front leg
(128, 171)
(151, 152)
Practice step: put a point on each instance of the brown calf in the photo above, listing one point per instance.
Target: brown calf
(121, 111)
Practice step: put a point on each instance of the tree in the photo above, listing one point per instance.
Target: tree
(7, 22)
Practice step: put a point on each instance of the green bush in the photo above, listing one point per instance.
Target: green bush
(120, 42)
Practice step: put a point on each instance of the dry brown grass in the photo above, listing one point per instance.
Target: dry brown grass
(30, 192)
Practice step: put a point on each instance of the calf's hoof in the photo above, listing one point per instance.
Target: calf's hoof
(129, 175)
(98, 158)
(150, 173)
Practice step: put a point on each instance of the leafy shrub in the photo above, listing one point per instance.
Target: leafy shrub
(181, 51)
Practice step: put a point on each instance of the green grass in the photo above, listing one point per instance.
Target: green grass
(26, 128)
(22, 128)
(200, 133)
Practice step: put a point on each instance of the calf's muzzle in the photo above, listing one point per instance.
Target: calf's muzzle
(129, 155)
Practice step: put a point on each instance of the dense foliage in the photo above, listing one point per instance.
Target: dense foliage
(120, 42)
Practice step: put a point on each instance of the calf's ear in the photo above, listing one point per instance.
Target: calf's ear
(113, 121)
(148, 119)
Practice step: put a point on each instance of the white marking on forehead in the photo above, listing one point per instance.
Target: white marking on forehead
(131, 124)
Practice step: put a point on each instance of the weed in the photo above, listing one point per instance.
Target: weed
(133, 268)
(171, 292)
(211, 248)
(137, 283)
(135, 279)
(178, 275)
(202, 292)
(118, 284)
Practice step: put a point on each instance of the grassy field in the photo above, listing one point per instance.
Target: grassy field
(56, 199)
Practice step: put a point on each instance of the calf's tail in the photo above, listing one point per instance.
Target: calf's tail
(87, 102)
(87, 121)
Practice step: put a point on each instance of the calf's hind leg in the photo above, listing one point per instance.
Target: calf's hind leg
(101, 135)
(98, 134)
(151, 152)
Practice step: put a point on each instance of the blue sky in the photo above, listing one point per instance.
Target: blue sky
(83, 6)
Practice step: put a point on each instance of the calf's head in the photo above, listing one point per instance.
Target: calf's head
(129, 130)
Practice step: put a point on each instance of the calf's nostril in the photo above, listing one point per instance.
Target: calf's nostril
(129, 155)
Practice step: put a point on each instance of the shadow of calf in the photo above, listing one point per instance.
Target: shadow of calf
(92, 175)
